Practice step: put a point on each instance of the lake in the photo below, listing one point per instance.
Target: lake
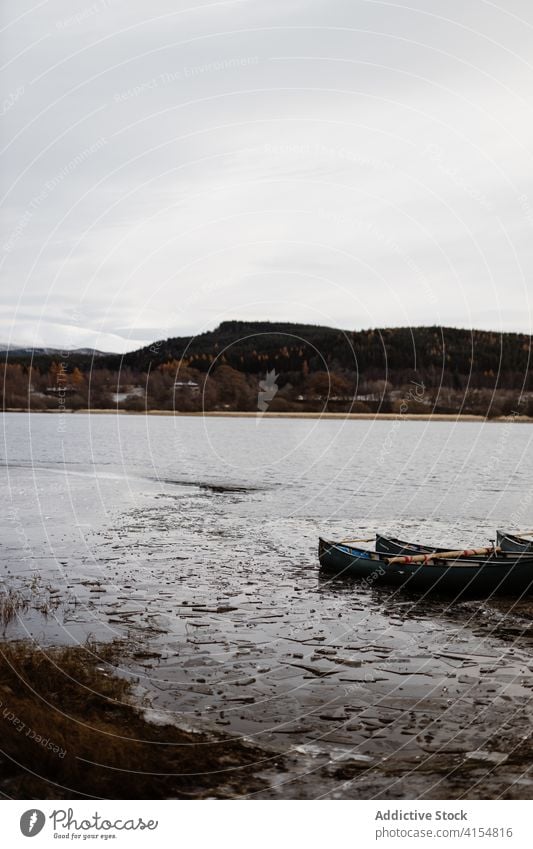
(195, 540)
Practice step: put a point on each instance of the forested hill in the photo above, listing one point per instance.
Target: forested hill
(250, 366)
(436, 355)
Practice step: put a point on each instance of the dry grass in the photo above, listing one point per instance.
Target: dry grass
(94, 742)
(11, 604)
(14, 603)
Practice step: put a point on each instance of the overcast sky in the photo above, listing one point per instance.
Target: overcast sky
(356, 163)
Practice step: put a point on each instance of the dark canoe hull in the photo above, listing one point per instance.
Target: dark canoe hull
(482, 577)
(396, 547)
(392, 547)
(514, 544)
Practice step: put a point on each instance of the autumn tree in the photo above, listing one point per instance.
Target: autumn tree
(14, 386)
(77, 379)
(327, 384)
(234, 390)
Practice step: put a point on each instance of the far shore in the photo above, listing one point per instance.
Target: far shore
(233, 414)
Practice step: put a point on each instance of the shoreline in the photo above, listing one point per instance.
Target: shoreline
(124, 745)
(233, 414)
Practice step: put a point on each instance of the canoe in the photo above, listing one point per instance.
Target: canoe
(481, 576)
(394, 547)
(397, 548)
(513, 543)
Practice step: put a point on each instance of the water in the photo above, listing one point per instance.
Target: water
(195, 540)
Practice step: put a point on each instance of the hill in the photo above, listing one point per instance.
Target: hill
(451, 369)
(435, 354)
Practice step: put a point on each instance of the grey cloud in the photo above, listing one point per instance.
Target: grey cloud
(330, 161)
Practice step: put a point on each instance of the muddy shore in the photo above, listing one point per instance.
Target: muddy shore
(321, 700)
(195, 549)
(411, 417)
(71, 729)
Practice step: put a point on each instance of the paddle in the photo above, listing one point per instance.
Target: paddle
(368, 539)
(443, 555)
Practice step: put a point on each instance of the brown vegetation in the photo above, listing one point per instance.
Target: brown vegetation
(68, 730)
(413, 371)
(11, 603)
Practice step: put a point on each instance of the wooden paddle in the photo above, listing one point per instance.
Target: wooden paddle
(368, 539)
(443, 555)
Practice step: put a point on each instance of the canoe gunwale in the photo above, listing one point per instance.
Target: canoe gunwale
(513, 543)
(503, 559)
(393, 546)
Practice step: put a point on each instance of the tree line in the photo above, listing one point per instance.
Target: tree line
(310, 368)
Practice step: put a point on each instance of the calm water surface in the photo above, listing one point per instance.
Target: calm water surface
(196, 540)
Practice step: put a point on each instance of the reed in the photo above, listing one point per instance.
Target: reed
(69, 729)
(11, 604)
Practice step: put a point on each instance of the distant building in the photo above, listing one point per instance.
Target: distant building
(125, 393)
(189, 386)
(60, 390)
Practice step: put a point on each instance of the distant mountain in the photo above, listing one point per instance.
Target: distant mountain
(25, 351)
